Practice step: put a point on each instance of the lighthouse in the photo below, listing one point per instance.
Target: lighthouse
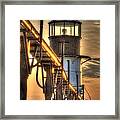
(64, 36)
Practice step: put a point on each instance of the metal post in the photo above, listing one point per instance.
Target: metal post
(25, 70)
(79, 30)
(70, 30)
(74, 28)
(62, 63)
(64, 29)
(68, 76)
(51, 76)
(62, 53)
(83, 91)
(77, 84)
(41, 36)
(68, 70)
(48, 87)
(54, 28)
(26, 52)
(43, 78)
(49, 30)
(60, 30)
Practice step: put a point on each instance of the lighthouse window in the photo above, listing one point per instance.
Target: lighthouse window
(76, 30)
(70, 30)
(64, 28)
(60, 30)
(57, 30)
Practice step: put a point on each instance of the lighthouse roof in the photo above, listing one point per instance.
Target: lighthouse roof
(67, 22)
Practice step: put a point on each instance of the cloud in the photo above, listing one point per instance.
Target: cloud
(91, 69)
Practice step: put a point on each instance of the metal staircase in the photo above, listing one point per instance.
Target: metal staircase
(55, 85)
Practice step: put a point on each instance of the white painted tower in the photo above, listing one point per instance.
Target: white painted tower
(64, 36)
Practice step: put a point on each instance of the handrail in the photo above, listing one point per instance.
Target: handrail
(50, 51)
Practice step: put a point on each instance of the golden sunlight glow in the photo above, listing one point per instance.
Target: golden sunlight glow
(34, 92)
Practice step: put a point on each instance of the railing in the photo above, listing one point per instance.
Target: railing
(49, 50)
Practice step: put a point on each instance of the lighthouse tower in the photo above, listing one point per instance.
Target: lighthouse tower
(64, 36)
